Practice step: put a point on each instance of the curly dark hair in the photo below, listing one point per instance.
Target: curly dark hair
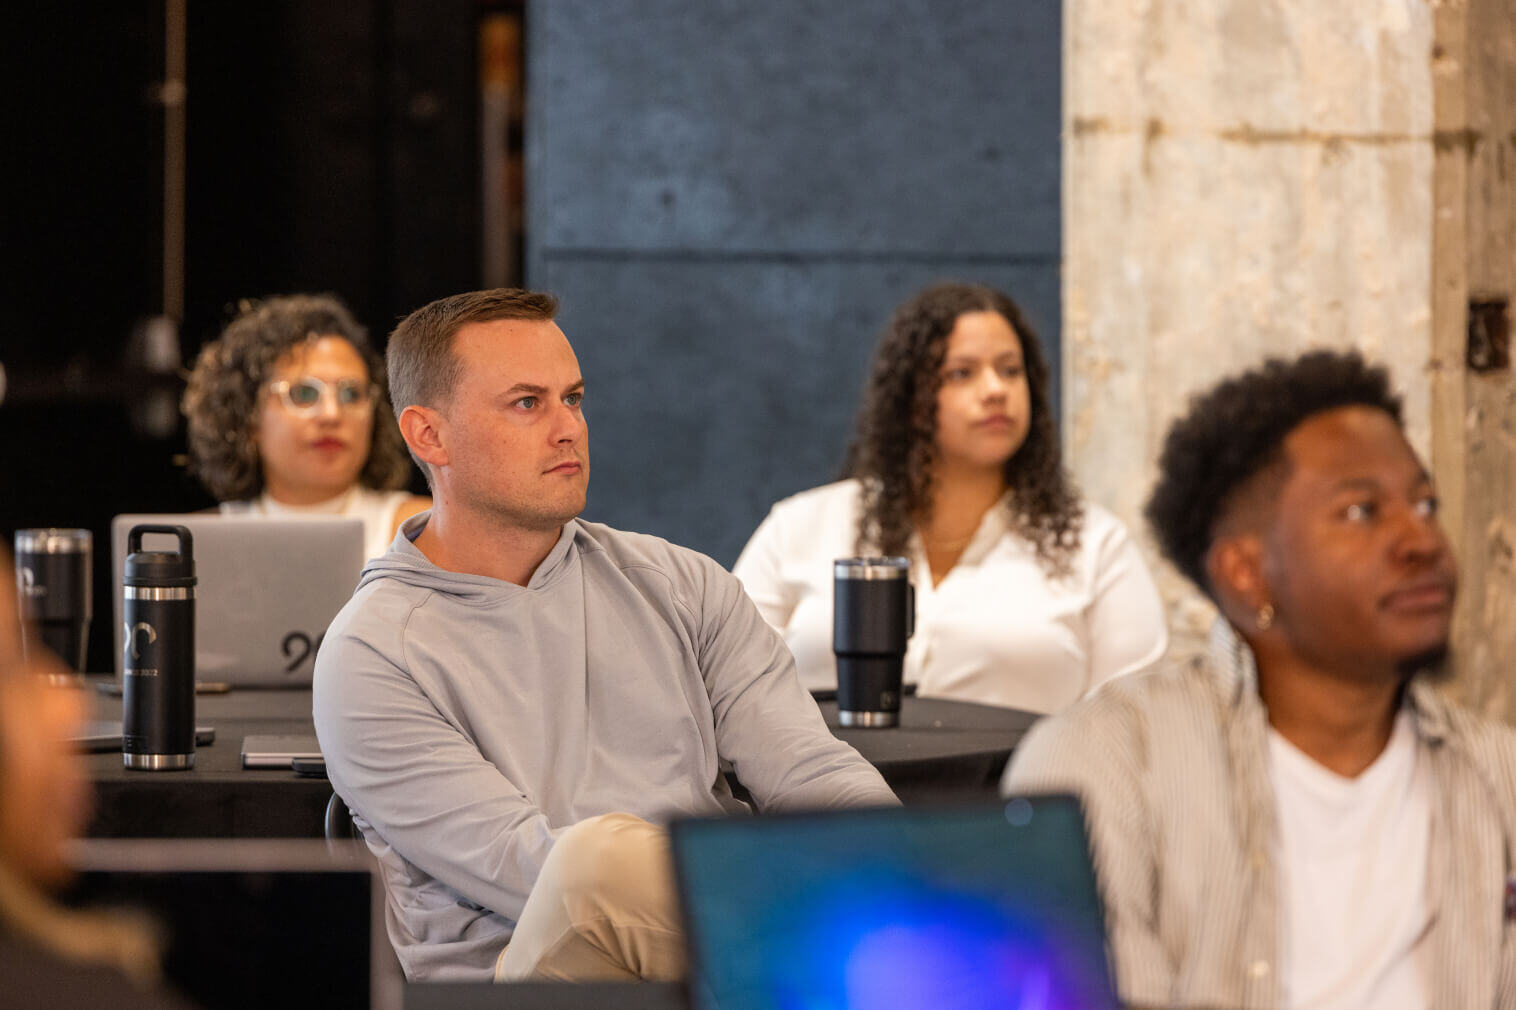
(221, 401)
(1236, 430)
(894, 445)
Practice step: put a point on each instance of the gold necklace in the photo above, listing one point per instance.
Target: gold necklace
(953, 543)
(948, 545)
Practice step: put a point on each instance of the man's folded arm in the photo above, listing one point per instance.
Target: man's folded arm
(422, 784)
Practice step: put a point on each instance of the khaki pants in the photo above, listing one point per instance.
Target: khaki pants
(603, 908)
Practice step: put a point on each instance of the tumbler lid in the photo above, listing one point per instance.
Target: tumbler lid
(869, 569)
(159, 568)
(54, 541)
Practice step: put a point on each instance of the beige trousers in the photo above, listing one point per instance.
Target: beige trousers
(603, 908)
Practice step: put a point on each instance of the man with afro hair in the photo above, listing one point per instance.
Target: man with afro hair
(1298, 818)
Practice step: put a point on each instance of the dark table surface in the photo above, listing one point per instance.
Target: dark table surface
(217, 798)
(941, 750)
(544, 996)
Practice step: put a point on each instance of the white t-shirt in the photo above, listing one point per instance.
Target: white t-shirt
(376, 509)
(996, 630)
(1353, 872)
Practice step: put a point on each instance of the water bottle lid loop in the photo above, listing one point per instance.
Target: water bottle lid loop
(159, 568)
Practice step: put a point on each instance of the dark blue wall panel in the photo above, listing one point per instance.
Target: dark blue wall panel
(731, 197)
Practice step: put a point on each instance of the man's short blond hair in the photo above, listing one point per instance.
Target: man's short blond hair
(422, 366)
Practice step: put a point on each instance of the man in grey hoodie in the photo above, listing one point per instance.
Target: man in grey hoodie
(515, 698)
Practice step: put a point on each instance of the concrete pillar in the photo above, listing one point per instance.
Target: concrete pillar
(1254, 177)
(1473, 273)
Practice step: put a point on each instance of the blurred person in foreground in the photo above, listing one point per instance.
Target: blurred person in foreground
(52, 957)
(1298, 818)
(1027, 595)
(516, 699)
(288, 416)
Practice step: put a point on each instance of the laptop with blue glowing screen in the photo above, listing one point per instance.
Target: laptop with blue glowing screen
(965, 907)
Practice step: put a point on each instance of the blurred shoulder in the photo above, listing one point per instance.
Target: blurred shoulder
(1169, 692)
(1172, 713)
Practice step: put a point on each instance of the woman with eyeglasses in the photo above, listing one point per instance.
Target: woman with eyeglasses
(288, 415)
(1027, 596)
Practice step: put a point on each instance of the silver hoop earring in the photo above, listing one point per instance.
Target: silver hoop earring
(1265, 617)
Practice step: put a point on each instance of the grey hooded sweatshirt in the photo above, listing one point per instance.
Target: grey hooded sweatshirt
(467, 721)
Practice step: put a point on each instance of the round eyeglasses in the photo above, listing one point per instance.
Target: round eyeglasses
(305, 394)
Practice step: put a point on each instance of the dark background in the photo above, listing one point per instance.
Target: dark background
(729, 198)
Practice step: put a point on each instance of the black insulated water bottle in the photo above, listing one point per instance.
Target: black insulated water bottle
(873, 615)
(158, 645)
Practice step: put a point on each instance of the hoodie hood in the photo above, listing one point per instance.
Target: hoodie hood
(405, 562)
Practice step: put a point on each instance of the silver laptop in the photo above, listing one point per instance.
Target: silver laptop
(269, 586)
(252, 924)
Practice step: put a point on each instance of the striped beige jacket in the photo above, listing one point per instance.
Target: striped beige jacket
(1172, 766)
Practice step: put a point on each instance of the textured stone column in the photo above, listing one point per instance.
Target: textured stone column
(1474, 262)
(1254, 177)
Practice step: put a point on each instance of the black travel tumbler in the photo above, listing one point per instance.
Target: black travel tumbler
(158, 644)
(873, 614)
(53, 585)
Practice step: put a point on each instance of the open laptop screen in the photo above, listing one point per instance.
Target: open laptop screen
(901, 908)
(268, 587)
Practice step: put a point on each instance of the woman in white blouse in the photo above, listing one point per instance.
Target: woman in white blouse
(1026, 595)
